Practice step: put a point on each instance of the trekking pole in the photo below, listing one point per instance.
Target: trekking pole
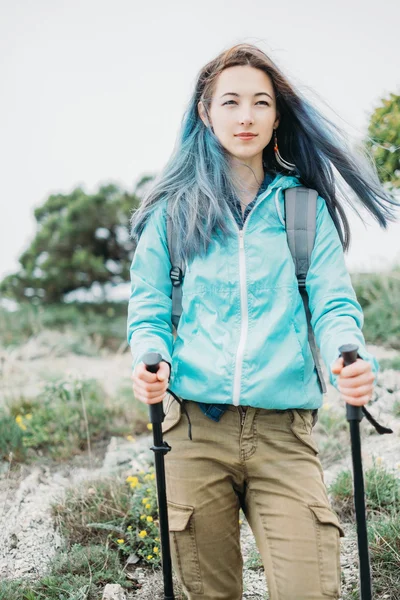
(354, 414)
(152, 361)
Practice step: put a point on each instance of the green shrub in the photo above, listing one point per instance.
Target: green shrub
(79, 573)
(121, 515)
(11, 439)
(382, 492)
(378, 294)
(334, 428)
(390, 363)
(384, 537)
(62, 420)
(104, 323)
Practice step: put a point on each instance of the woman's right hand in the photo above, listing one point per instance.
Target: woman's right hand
(150, 388)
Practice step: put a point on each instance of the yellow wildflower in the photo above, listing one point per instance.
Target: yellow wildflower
(142, 517)
(129, 527)
(155, 549)
(148, 490)
(29, 416)
(148, 506)
(240, 521)
(134, 482)
(130, 438)
(130, 478)
(145, 500)
(156, 539)
(143, 533)
(147, 477)
(149, 426)
(150, 556)
(18, 419)
(152, 476)
(120, 541)
(149, 519)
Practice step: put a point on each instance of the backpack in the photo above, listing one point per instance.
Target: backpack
(300, 211)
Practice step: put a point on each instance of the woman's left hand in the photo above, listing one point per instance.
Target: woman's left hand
(355, 382)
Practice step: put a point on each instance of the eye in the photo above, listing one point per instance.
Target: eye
(262, 102)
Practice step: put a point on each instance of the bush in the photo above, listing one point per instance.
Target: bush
(78, 574)
(378, 295)
(122, 515)
(104, 324)
(62, 421)
(384, 537)
(382, 492)
(11, 439)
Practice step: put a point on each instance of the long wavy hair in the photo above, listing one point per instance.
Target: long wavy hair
(198, 175)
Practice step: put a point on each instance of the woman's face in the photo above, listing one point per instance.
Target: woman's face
(243, 101)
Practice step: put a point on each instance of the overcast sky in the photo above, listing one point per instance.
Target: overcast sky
(94, 91)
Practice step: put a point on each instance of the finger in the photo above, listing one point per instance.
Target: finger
(358, 381)
(338, 364)
(145, 394)
(142, 373)
(356, 368)
(151, 401)
(364, 390)
(144, 387)
(357, 401)
(163, 371)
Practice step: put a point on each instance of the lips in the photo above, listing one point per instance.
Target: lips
(246, 135)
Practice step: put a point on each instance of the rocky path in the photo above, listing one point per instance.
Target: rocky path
(29, 539)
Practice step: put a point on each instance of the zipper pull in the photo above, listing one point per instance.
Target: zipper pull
(241, 240)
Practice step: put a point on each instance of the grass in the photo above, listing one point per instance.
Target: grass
(104, 522)
(66, 418)
(390, 363)
(77, 573)
(102, 324)
(121, 515)
(378, 295)
(382, 494)
(334, 428)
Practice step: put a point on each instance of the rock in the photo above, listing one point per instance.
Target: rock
(113, 591)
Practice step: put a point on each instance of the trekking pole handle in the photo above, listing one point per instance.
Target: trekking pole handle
(349, 353)
(152, 361)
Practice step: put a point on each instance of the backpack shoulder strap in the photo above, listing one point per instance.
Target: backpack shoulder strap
(301, 222)
(176, 273)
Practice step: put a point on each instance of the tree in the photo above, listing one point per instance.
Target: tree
(80, 239)
(384, 140)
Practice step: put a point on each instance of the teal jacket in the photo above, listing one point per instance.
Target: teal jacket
(242, 337)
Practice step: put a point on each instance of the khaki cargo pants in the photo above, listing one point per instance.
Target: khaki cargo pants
(264, 461)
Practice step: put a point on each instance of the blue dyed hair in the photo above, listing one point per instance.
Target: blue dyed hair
(198, 175)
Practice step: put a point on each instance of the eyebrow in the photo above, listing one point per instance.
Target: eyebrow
(235, 94)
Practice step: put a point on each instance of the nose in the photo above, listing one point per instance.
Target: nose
(246, 120)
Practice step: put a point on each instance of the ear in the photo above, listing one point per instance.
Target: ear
(277, 121)
(202, 114)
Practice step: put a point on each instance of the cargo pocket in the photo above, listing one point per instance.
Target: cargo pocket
(301, 427)
(328, 533)
(181, 522)
(172, 411)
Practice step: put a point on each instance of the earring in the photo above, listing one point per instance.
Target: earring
(284, 163)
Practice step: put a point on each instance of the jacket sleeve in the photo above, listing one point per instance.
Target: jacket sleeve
(337, 316)
(149, 325)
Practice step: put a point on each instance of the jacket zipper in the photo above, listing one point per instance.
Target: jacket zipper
(237, 381)
(244, 321)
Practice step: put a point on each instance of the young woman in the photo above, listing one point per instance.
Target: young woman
(241, 363)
